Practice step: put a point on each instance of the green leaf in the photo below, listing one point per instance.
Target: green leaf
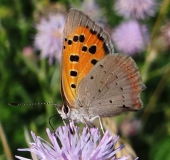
(161, 149)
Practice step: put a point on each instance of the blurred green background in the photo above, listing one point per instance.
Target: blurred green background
(26, 78)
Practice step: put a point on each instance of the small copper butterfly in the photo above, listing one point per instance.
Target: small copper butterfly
(95, 81)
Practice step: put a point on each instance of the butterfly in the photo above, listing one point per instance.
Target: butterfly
(95, 81)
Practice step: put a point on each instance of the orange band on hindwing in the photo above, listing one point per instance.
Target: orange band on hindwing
(130, 69)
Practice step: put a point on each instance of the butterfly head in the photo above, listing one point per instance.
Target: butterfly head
(64, 111)
(77, 115)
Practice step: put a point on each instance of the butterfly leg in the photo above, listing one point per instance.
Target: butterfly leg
(91, 125)
(101, 125)
(88, 124)
(71, 126)
(64, 122)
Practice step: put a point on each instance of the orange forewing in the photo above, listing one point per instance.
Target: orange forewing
(84, 63)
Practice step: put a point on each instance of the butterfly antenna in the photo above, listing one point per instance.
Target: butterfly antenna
(50, 121)
(31, 104)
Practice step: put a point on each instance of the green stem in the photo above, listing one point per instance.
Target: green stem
(151, 52)
(159, 72)
(150, 58)
(155, 96)
(162, 13)
(5, 144)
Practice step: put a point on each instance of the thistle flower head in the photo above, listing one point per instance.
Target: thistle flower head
(92, 9)
(49, 36)
(135, 8)
(130, 37)
(71, 144)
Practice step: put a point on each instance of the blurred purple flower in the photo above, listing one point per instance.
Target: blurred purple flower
(130, 127)
(69, 144)
(49, 36)
(130, 37)
(28, 51)
(92, 9)
(135, 8)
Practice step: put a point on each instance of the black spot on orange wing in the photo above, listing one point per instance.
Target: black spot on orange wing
(92, 49)
(84, 48)
(74, 58)
(94, 61)
(105, 47)
(100, 37)
(75, 38)
(73, 73)
(69, 42)
(81, 38)
(93, 31)
(73, 86)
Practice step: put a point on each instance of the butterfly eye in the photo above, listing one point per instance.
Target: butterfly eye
(65, 109)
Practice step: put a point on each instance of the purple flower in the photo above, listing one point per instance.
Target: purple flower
(92, 9)
(130, 37)
(135, 8)
(68, 143)
(28, 51)
(130, 127)
(49, 36)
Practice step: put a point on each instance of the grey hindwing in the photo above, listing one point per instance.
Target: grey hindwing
(107, 90)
